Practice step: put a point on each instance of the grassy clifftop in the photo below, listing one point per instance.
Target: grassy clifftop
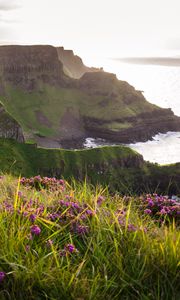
(118, 167)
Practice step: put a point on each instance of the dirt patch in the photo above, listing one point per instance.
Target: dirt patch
(71, 125)
(47, 142)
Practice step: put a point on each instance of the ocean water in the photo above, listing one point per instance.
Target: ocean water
(161, 86)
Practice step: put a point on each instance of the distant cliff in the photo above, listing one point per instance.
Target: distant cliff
(72, 64)
(56, 110)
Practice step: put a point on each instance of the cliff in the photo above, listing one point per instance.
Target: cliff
(24, 66)
(9, 128)
(73, 65)
(55, 110)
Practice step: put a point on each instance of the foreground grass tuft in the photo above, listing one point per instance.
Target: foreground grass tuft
(79, 242)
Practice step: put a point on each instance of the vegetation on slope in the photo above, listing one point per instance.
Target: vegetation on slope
(78, 242)
(121, 168)
(42, 111)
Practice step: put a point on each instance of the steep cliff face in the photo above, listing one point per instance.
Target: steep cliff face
(72, 64)
(24, 66)
(55, 110)
(9, 128)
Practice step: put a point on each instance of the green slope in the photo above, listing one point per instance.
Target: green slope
(119, 167)
(53, 103)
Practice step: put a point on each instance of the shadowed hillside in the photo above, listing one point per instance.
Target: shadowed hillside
(118, 167)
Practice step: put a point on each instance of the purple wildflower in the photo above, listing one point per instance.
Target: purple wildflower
(35, 229)
(163, 211)
(32, 217)
(20, 194)
(131, 227)
(70, 248)
(150, 203)
(148, 211)
(89, 212)
(100, 199)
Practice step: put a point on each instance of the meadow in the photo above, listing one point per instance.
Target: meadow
(78, 241)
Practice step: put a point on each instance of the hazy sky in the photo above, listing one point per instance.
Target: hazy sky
(111, 28)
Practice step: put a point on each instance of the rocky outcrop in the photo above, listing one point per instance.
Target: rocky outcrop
(25, 66)
(9, 128)
(142, 128)
(72, 64)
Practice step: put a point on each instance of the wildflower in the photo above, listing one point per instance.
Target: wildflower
(89, 212)
(2, 276)
(100, 199)
(32, 218)
(163, 211)
(80, 229)
(131, 227)
(150, 203)
(35, 229)
(70, 248)
(148, 211)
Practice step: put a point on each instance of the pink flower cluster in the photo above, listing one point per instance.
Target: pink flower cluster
(39, 182)
(161, 207)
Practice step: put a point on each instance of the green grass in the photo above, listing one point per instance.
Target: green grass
(121, 168)
(111, 263)
(53, 102)
(99, 165)
(116, 126)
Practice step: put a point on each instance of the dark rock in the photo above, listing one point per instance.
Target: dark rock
(9, 127)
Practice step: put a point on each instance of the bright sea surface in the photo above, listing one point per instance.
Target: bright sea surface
(161, 86)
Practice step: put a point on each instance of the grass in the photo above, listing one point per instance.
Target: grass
(112, 260)
(97, 164)
(119, 167)
(53, 102)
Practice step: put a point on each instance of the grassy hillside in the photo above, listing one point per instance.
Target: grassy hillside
(42, 111)
(118, 167)
(96, 164)
(77, 242)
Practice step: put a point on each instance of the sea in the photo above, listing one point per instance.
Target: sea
(161, 86)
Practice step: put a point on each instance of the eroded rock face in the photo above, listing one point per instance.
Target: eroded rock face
(24, 66)
(72, 64)
(9, 128)
(142, 128)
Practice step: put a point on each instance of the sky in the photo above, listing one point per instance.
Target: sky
(108, 28)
